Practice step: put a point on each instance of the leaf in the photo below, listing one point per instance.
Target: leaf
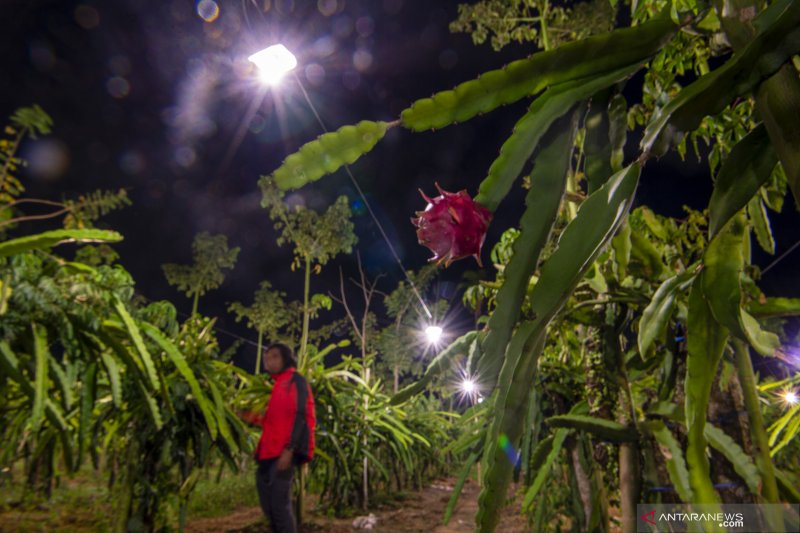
(724, 261)
(136, 338)
(596, 144)
(617, 130)
(757, 212)
(646, 253)
(741, 462)
(10, 366)
(724, 264)
(775, 44)
(48, 239)
(41, 353)
(621, 244)
(658, 312)
(186, 372)
(552, 447)
(548, 182)
(764, 342)
(581, 242)
(571, 61)
(440, 363)
(112, 370)
(788, 486)
(601, 428)
(775, 307)
(676, 466)
(706, 340)
(88, 390)
(516, 150)
(744, 171)
(459, 486)
(506, 426)
(327, 153)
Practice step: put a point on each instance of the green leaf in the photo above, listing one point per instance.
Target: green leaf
(571, 61)
(617, 130)
(724, 261)
(706, 340)
(186, 372)
(41, 353)
(327, 153)
(601, 428)
(744, 171)
(621, 244)
(112, 370)
(775, 307)
(648, 255)
(552, 446)
(658, 312)
(788, 486)
(548, 182)
(517, 149)
(10, 366)
(597, 146)
(440, 363)
(459, 486)
(757, 213)
(724, 264)
(581, 242)
(760, 59)
(507, 426)
(741, 462)
(138, 342)
(48, 239)
(764, 342)
(88, 393)
(676, 466)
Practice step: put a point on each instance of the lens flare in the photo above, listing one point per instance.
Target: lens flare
(790, 397)
(433, 334)
(273, 63)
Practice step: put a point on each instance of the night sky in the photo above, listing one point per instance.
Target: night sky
(148, 96)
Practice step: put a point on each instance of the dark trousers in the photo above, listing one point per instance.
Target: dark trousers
(275, 495)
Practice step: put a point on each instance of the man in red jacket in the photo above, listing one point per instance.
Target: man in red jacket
(287, 436)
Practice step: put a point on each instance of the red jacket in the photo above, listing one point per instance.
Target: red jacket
(289, 420)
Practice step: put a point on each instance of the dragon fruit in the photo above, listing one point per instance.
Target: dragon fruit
(453, 226)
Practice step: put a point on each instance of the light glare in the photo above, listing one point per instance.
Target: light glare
(468, 386)
(273, 63)
(433, 334)
(790, 397)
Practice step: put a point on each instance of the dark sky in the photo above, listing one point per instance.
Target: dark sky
(148, 96)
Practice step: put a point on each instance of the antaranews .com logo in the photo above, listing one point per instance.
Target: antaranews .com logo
(739, 518)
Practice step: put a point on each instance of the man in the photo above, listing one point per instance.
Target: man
(287, 436)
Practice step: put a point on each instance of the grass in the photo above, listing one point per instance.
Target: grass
(234, 491)
(82, 504)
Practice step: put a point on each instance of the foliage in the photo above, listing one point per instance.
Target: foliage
(88, 373)
(602, 268)
(211, 256)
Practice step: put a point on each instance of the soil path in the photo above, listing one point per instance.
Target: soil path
(421, 512)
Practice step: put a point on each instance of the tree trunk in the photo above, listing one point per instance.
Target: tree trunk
(301, 354)
(258, 353)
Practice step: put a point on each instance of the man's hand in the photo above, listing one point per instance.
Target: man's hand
(285, 460)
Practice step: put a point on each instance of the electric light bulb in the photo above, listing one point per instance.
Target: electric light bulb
(273, 63)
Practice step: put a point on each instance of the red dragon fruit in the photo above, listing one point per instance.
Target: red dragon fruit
(453, 226)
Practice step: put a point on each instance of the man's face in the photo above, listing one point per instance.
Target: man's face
(273, 362)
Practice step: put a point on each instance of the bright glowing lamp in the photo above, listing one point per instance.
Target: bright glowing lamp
(273, 63)
(468, 386)
(433, 334)
(790, 397)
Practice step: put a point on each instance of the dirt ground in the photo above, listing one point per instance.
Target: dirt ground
(420, 512)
